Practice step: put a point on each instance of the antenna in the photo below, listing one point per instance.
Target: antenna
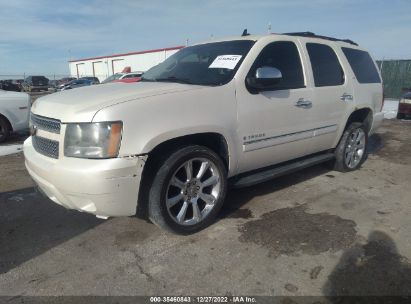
(269, 28)
(245, 33)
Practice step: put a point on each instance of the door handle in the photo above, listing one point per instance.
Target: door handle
(346, 97)
(303, 103)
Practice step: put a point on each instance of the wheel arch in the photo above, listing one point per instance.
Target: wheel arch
(358, 114)
(215, 141)
(363, 115)
(7, 121)
(212, 140)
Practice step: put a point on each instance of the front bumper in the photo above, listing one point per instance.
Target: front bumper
(404, 108)
(106, 187)
(376, 122)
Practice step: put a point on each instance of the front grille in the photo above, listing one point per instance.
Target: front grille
(44, 123)
(46, 146)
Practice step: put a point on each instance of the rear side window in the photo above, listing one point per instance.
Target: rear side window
(362, 65)
(326, 67)
(284, 56)
(39, 78)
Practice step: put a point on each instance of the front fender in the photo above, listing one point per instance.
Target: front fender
(153, 120)
(176, 133)
(16, 110)
(198, 130)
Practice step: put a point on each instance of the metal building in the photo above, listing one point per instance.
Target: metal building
(104, 66)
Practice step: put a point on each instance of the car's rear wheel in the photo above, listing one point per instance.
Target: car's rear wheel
(4, 129)
(400, 115)
(188, 190)
(351, 151)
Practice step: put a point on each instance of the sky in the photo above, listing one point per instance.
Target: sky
(40, 36)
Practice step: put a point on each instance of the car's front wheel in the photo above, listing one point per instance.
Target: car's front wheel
(188, 190)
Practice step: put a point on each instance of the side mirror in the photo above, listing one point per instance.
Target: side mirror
(265, 78)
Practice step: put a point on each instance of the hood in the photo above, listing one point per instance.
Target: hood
(81, 104)
(12, 95)
(407, 95)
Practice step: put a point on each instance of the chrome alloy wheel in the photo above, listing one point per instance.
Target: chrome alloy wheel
(355, 148)
(192, 191)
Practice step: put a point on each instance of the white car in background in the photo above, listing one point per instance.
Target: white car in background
(14, 112)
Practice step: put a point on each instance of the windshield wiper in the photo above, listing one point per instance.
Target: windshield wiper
(174, 79)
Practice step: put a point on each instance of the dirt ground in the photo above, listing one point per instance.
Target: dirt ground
(314, 232)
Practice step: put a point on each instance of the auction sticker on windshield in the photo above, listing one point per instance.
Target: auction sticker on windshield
(225, 62)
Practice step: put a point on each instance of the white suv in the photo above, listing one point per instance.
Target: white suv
(230, 112)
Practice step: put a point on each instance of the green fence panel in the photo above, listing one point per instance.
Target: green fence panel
(396, 75)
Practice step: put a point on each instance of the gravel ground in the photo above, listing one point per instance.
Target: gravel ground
(315, 232)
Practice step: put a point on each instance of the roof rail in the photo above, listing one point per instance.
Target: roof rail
(312, 35)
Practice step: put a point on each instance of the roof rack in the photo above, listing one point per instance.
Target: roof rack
(312, 35)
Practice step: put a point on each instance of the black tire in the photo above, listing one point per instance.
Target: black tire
(4, 129)
(340, 150)
(400, 115)
(158, 212)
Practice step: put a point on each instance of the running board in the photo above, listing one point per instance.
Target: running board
(289, 167)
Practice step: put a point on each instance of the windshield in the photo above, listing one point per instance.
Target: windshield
(205, 64)
(132, 75)
(112, 77)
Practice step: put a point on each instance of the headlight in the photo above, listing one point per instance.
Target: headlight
(93, 140)
(404, 100)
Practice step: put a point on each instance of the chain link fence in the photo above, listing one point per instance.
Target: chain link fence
(396, 75)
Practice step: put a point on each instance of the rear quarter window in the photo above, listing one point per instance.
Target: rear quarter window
(362, 65)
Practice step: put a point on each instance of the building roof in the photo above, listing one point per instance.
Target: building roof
(131, 53)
